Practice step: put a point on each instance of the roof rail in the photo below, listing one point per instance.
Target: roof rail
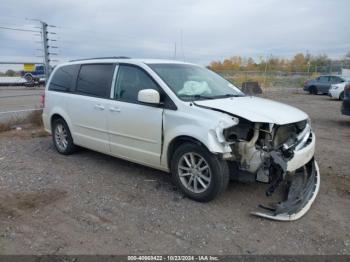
(110, 57)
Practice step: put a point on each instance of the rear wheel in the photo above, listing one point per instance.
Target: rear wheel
(313, 90)
(62, 137)
(341, 96)
(199, 174)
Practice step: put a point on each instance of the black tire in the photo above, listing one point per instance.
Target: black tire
(341, 96)
(70, 147)
(218, 168)
(313, 90)
(29, 78)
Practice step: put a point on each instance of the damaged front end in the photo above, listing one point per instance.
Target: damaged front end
(277, 155)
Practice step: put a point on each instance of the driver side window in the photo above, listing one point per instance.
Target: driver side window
(130, 80)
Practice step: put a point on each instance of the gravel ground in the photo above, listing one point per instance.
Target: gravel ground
(90, 203)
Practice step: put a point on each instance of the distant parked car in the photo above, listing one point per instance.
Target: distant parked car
(337, 90)
(345, 109)
(322, 84)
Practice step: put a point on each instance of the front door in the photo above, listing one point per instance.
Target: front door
(135, 129)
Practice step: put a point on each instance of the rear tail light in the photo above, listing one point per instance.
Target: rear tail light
(42, 100)
(305, 83)
(347, 88)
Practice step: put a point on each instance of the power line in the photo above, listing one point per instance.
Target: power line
(18, 29)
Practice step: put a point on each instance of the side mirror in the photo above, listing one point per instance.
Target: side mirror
(149, 96)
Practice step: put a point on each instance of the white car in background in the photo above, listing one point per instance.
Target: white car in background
(337, 90)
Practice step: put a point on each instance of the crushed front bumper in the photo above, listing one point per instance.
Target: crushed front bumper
(302, 191)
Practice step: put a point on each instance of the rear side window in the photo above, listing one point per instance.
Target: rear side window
(64, 78)
(130, 81)
(337, 80)
(323, 78)
(95, 80)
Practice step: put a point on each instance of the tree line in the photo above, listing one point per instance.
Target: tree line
(299, 63)
(10, 72)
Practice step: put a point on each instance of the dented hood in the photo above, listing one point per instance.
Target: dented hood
(257, 109)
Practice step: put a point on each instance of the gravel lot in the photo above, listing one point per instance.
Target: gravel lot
(90, 203)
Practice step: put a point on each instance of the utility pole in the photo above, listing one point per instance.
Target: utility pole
(46, 54)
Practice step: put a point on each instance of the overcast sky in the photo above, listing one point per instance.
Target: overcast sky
(211, 29)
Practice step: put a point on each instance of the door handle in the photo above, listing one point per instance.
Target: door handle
(99, 107)
(114, 109)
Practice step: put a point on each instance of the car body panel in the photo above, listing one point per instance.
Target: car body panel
(195, 122)
(88, 120)
(257, 109)
(139, 140)
(337, 89)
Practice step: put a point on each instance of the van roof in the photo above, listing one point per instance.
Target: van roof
(118, 59)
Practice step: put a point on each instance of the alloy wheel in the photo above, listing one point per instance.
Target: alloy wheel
(61, 137)
(194, 172)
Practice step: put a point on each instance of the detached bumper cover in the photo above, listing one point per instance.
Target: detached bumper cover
(302, 192)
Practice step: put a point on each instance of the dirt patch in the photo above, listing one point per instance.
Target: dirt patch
(24, 131)
(15, 204)
(32, 120)
(340, 183)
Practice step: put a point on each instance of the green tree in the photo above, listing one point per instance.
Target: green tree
(10, 72)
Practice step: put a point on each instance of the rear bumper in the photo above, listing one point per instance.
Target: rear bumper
(302, 191)
(333, 93)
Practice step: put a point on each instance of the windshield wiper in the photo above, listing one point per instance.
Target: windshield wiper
(228, 95)
(198, 96)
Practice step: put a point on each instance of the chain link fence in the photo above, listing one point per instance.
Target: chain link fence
(281, 77)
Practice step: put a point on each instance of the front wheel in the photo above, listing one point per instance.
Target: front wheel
(198, 173)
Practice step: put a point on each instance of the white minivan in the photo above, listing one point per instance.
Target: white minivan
(184, 119)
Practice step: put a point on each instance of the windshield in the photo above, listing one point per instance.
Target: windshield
(190, 82)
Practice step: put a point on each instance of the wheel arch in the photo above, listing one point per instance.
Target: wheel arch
(313, 89)
(178, 141)
(56, 114)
